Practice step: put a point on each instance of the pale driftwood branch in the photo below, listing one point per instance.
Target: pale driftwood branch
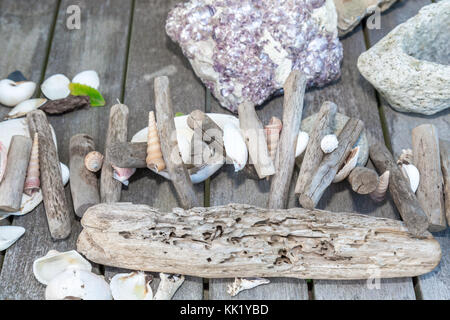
(128, 154)
(55, 202)
(255, 139)
(294, 92)
(444, 147)
(111, 189)
(425, 145)
(169, 145)
(405, 200)
(363, 180)
(11, 188)
(83, 183)
(240, 240)
(327, 169)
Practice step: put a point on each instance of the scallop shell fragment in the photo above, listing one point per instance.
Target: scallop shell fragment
(32, 181)
(272, 131)
(12, 93)
(9, 235)
(56, 87)
(93, 161)
(131, 286)
(89, 78)
(24, 107)
(349, 165)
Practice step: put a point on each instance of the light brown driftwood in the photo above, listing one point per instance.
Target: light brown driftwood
(169, 145)
(240, 240)
(111, 189)
(444, 148)
(430, 193)
(55, 202)
(128, 154)
(83, 183)
(405, 200)
(363, 180)
(11, 187)
(294, 92)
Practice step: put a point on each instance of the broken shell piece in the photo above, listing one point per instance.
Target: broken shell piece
(56, 87)
(16, 76)
(241, 284)
(24, 107)
(406, 157)
(78, 283)
(302, 143)
(123, 174)
(131, 286)
(382, 187)
(9, 235)
(272, 131)
(235, 146)
(329, 143)
(412, 174)
(3, 158)
(65, 173)
(12, 93)
(89, 78)
(32, 182)
(93, 161)
(55, 262)
(154, 158)
(349, 165)
(168, 286)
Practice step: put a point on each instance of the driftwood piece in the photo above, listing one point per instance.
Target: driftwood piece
(405, 200)
(83, 183)
(330, 164)
(294, 92)
(430, 193)
(11, 187)
(444, 148)
(110, 189)
(55, 202)
(169, 145)
(128, 154)
(313, 155)
(240, 240)
(256, 141)
(70, 103)
(363, 180)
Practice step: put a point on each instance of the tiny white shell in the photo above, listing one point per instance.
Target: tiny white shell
(89, 78)
(235, 146)
(329, 143)
(412, 173)
(131, 286)
(241, 284)
(12, 93)
(56, 87)
(9, 235)
(24, 107)
(302, 143)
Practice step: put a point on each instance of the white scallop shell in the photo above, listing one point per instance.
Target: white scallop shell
(329, 143)
(24, 107)
(9, 235)
(12, 93)
(411, 172)
(302, 143)
(89, 78)
(131, 286)
(235, 146)
(56, 87)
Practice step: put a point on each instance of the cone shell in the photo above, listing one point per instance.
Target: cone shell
(93, 161)
(3, 158)
(382, 187)
(154, 158)
(272, 131)
(349, 165)
(123, 174)
(32, 182)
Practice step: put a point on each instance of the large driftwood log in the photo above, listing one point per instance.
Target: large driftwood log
(444, 148)
(363, 180)
(240, 240)
(83, 183)
(330, 164)
(169, 145)
(430, 193)
(111, 189)
(11, 188)
(405, 200)
(128, 154)
(294, 93)
(55, 202)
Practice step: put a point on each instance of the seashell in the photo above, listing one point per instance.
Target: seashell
(9, 235)
(154, 158)
(78, 283)
(168, 286)
(272, 131)
(56, 87)
(55, 262)
(406, 157)
(329, 143)
(131, 286)
(89, 78)
(32, 182)
(93, 161)
(12, 93)
(123, 174)
(235, 146)
(3, 159)
(16, 76)
(349, 165)
(205, 172)
(302, 143)
(241, 284)
(412, 174)
(24, 107)
(382, 187)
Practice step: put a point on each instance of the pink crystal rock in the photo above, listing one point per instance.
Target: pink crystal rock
(245, 49)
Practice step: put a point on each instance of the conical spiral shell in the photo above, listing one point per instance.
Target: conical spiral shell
(272, 131)
(383, 184)
(93, 161)
(32, 182)
(154, 158)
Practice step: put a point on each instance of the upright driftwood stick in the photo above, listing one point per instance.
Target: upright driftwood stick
(330, 164)
(128, 154)
(444, 148)
(294, 93)
(425, 145)
(55, 202)
(363, 180)
(405, 200)
(11, 188)
(83, 183)
(314, 154)
(240, 240)
(169, 145)
(253, 132)
(110, 189)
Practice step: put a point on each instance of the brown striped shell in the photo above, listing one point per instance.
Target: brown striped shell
(272, 131)
(93, 161)
(154, 158)
(32, 181)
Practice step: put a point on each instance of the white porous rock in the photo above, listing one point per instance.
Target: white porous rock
(410, 66)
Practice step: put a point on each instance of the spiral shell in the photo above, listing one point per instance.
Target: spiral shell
(380, 191)
(406, 157)
(32, 182)
(93, 161)
(3, 158)
(349, 165)
(272, 131)
(123, 174)
(154, 158)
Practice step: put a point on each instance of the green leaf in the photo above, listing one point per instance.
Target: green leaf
(179, 114)
(77, 89)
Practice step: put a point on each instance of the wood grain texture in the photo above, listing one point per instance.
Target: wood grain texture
(363, 180)
(128, 154)
(444, 147)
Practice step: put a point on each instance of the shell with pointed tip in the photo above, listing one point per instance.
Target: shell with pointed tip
(12, 93)
(235, 146)
(89, 78)
(9, 235)
(382, 187)
(241, 284)
(154, 158)
(349, 165)
(272, 131)
(412, 174)
(131, 286)
(3, 159)
(123, 174)
(55, 262)
(24, 107)
(329, 143)
(56, 87)
(32, 181)
(93, 161)
(406, 157)
(302, 143)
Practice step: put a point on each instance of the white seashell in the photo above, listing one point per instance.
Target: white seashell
(168, 286)
(412, 174)
(382, 187)
(349, 165)
(3, 159)
(235, 146)
(241, 284)
(9, 235)
(329, 143)
(302, 143)
(55, 262)
(89, 78)
(12, 93)
(206, 172)
(131, 286)
(56, 87)
(24, 107)
(78, 283)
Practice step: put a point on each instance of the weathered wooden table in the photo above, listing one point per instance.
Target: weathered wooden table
(125, 42)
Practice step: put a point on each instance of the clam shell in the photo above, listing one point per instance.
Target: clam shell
(411, 172)
(93, 161)
(9, 235)
(12, 93)
(349, 165)
(24, 107)
(302, 143)
(32, 181)
(56, 87)
(235, 146)
(131, 286)
(154, 158)
(89, 78)
(329, 143)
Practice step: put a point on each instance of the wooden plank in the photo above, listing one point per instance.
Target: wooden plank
(104, 25)
(435, 285)
(152, 52)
